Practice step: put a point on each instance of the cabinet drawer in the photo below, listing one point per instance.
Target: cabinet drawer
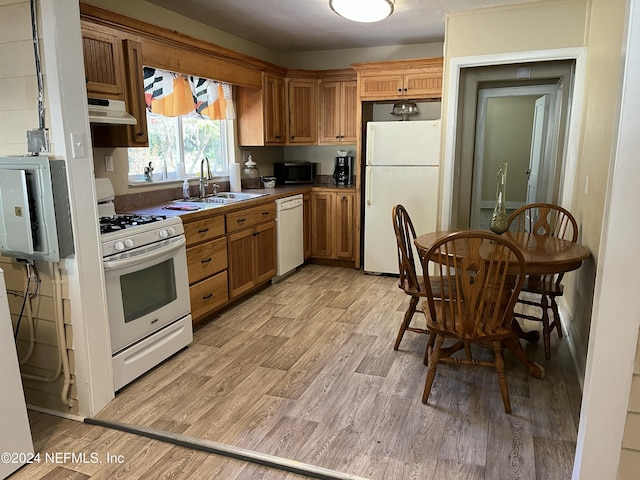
(250, 216)
(206, 259)
(203, 230)
(208, 295)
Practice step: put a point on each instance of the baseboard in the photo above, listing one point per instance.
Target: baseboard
(563, 311)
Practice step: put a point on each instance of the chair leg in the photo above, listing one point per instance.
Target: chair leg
(556, 316)
(408, 315)
(433, 362)
(502, 377)
(546, 331)
(429, 349)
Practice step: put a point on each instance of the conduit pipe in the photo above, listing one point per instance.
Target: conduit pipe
(62, 339)
(63, 357)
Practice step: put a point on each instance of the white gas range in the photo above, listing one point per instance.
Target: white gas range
(145, 268)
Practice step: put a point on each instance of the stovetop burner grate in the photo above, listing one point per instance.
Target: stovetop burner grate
(121, 222)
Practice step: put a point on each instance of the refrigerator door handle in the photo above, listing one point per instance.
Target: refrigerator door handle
(368, 185)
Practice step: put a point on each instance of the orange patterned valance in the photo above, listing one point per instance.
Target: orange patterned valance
(174, 94)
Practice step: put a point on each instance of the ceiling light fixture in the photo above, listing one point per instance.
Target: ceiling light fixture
(366, 11)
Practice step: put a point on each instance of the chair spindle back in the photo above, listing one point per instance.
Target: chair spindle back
(405, 235)
(483, 274)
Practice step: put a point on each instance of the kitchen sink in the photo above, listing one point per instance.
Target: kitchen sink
(238, 196)
(223, 198)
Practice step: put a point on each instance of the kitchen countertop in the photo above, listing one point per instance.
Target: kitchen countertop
(206, 209)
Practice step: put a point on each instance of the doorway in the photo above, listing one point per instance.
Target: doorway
(517, 126)
(495, 123)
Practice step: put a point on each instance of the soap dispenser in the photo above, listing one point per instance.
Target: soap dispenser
(250, 174)
(185, 189)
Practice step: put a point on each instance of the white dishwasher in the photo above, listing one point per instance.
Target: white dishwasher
(290, 232)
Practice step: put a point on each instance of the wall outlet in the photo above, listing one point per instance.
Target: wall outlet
(108, 163)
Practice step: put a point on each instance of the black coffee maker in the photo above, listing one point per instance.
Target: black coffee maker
(343, 170)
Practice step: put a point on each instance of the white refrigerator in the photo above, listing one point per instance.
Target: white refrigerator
(402, 167)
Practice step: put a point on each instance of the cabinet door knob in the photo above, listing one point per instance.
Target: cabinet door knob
(206, 261)
(203, 230)
(207, 296)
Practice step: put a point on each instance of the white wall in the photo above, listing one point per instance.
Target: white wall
(69, 124)
(615, 321)
(65, 112)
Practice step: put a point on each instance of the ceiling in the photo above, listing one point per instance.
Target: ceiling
(288, 26)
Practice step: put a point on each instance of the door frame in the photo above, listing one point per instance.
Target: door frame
(550, 90)
(457, 64)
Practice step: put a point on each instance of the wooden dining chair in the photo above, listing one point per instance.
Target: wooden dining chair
(409, 281)
(483, 274)
(554, 221)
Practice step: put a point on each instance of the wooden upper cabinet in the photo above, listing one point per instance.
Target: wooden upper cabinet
(274, 109)
(415, 79)
(381, 86)
(261, 113)
(302, 111)
(102, 61)
(424, 84)
(338, 112)
(133, 88)
(137, 135)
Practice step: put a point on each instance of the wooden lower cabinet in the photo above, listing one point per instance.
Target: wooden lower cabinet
(228, 255)
(344, 226)
(206, 259)
(208, 295)
(252, 257)
(306, 219)
(206, 265)
(332, 224)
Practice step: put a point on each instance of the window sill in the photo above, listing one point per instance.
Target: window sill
(171, 181)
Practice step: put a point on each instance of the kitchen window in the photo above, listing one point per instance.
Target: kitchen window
(188, 118)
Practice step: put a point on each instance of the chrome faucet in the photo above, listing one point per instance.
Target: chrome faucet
(215, 188)
(204, 181)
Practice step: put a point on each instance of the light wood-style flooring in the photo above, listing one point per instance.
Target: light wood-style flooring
(305, 370)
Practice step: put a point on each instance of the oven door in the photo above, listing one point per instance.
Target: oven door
(147, 288)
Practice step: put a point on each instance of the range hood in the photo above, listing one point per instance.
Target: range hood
(114, 112)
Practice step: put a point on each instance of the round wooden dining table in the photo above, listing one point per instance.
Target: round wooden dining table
(543, 255)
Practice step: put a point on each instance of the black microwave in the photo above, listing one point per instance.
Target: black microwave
(294, 172)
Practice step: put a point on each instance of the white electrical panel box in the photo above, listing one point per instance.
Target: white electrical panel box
(16, 216)
(29, 214)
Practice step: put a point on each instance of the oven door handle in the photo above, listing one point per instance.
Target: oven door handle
(176, 244)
